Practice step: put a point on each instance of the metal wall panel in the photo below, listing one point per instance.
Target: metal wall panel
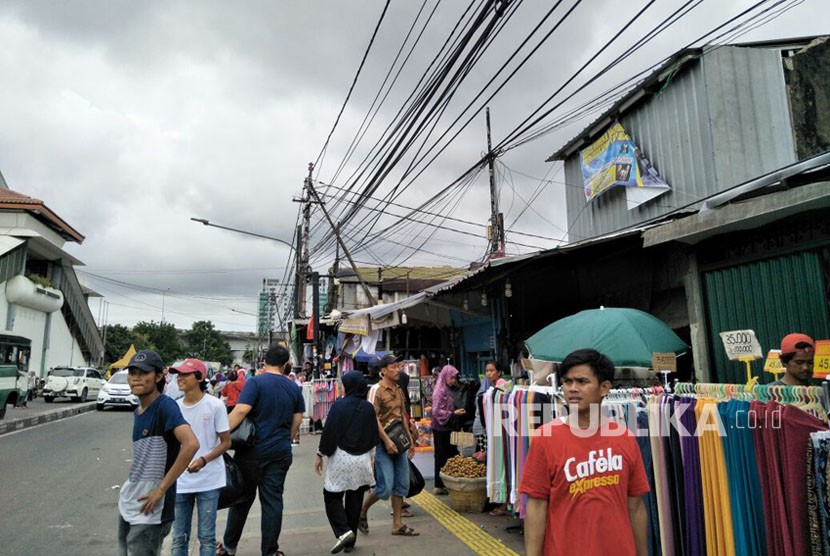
(772, 297)
(721, 120)
(749, 113)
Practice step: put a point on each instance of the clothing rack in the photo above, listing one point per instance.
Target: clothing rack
(324, 391)
(812, 399)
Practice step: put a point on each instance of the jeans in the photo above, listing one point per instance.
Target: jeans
(206, 503)
(344, 518)
(269, 477)
(141, 540)
(391, 473)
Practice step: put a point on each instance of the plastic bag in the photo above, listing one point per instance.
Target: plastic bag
(416, 480)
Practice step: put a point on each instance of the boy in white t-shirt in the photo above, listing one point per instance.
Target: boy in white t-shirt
(205, 475)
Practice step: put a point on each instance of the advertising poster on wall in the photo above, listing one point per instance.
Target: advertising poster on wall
(614, 160)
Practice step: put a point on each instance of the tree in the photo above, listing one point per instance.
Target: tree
(250, 355)
(207, 344)
(162, 338)
(119, 339)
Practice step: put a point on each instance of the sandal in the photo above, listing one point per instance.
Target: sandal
(220, 550)
(363, 525)
(404, 513)
(498, 512)
(405, 531)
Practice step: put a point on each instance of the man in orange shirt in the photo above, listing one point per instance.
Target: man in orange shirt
(585, 473)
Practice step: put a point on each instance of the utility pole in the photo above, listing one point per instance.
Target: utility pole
(315, 304)
(302, 246)
(336, 229)
(496, 228)
(335, 269)
(299, 276)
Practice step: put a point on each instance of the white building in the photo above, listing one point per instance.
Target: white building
(41, 299)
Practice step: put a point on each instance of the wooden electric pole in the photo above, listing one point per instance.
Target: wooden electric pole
(496, 228)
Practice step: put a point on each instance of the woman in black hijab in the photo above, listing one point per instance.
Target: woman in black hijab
(348, 441)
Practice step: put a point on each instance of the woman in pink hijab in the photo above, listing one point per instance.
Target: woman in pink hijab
(443, 422)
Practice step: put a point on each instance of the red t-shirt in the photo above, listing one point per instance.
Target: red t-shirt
(587, 483)
(233, 389)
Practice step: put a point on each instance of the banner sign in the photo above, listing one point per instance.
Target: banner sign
(741, 344)
(359, 325)
(614, 160)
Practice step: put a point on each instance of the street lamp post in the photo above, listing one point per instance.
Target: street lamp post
(315, 277)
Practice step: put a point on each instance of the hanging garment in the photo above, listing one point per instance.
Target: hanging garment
(796, 428)
(717, 512)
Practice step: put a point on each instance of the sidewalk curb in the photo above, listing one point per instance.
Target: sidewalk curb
(26, 422)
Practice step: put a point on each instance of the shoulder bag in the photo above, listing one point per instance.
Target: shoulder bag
(396, 431)
(397, 434)
(243, 436)
(234, 490)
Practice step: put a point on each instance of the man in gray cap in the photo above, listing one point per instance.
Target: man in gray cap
(163, 446)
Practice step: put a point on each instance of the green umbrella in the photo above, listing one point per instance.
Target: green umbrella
(627, 336)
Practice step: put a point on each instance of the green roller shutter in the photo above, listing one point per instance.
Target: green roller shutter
(772, 297)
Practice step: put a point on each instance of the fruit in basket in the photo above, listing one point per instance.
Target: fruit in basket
(468, 468)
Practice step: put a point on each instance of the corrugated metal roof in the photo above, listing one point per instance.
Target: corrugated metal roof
(650, 84)
(662, 72)
(722, 120)
(370, 273)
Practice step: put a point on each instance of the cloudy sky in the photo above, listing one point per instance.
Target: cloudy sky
(129, 118)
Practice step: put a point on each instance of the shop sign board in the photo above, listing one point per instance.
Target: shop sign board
(821, 360)
(359, 325)
(664, 362)
(741, 345)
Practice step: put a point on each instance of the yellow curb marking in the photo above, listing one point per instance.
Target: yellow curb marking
(481, 542)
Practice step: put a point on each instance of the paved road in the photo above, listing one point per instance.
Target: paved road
(57, 481)
(60, 490)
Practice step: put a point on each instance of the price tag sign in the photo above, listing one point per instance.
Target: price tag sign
(664, 362)
(741, 344)
(773, 363)
(821, 361)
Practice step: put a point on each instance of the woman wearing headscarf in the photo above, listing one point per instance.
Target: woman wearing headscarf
(348, 440)
(443, 424)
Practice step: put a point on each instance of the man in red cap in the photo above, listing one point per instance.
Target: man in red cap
(797, 351)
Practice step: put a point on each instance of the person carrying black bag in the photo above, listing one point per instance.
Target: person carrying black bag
(348, 441)
(445, 419)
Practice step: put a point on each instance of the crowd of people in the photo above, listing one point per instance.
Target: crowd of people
(364, 453)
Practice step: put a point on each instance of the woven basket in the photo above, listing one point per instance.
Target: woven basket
(466, 495)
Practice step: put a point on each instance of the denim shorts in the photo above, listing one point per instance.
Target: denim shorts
(391, 473)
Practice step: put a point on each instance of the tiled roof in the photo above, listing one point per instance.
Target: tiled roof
(9, 196)
(17, 201)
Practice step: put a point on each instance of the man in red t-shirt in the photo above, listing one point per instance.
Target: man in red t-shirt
(584, 476)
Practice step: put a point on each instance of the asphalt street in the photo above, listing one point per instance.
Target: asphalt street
(60, 484)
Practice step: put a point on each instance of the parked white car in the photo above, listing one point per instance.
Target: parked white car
(77, 383)
(116, 393)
